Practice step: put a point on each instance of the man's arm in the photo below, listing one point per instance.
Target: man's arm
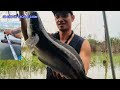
(15, 32)
(85, 54)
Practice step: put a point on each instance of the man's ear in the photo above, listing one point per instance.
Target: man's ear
(73, 17)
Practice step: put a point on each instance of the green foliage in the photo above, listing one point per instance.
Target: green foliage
(11, 68)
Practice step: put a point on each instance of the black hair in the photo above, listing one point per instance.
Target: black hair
(54, 12)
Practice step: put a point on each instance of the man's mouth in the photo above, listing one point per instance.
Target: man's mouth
(61, 24)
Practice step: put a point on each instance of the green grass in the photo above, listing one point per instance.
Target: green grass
(97, 62)
(116, 58)
(97, 58)
(28, 65)
(12, 68)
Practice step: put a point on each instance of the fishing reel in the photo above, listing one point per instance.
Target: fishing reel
(5, 38)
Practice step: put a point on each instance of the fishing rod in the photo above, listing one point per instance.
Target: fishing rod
(11, 47)
(10, 44)
(109, 44)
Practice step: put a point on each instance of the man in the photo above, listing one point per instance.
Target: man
(64, 21)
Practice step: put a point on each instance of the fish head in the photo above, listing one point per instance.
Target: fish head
(32, 28)
(35, 25)
(32, 23)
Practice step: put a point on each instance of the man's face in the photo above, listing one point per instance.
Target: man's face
(64, 21)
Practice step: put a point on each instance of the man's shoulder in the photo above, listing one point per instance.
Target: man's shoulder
(79, 37)
(55, 35)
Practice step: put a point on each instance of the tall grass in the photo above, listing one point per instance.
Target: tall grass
(12, 68)
(99, 57)
(116, 58)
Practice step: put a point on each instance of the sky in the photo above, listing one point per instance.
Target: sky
(91, 23)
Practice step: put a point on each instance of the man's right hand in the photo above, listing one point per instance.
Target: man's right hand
(8, 32)
(58, 75)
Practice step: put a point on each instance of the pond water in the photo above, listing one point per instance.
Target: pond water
(98, 72)
(5, 51)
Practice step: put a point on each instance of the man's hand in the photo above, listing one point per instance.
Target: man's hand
(8, 32)
(58, 75)
(19, 35)
(11, 32)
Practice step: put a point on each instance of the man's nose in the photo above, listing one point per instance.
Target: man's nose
(61, 19)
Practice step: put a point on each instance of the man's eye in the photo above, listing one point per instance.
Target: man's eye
(57, 17)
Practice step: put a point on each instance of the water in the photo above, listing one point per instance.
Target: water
(98, 72)
(5, 51)
(9, 24)
(25, 75)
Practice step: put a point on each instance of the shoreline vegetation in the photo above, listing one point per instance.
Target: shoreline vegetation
(29, 65)
(24, 69)
(17, 69)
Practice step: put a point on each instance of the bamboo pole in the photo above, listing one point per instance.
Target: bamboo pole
(109, 44)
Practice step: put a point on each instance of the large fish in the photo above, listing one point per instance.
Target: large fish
(60, 57)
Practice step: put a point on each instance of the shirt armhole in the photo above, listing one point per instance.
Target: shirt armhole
(79, 45)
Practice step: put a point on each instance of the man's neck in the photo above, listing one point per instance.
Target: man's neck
(64, 35)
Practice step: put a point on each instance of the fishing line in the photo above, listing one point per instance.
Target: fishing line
(11, 47)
